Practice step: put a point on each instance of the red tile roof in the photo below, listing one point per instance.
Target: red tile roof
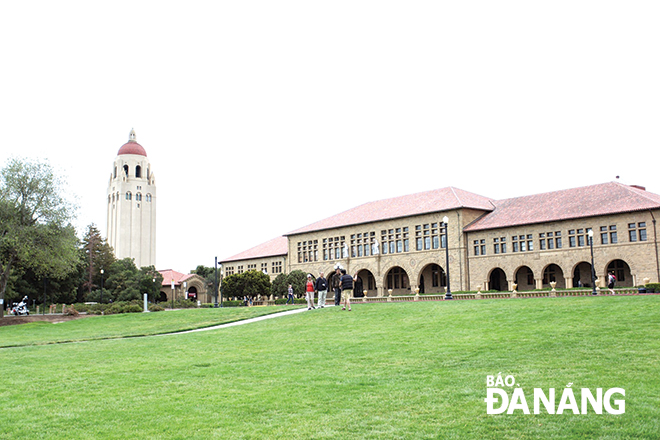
(588, 201)
(438, 200)
(178, 277)
(132, 147)
(273, 248)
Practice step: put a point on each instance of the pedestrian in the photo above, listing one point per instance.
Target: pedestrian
(611, 279)
(346, 289)
(290, 295)
(309, 292)
(336, 286)
(322, 289)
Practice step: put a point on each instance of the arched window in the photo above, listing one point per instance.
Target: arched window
(115, 175)
(148, 197)
(126, 170)
(138, 171)
(138, 197)
(128, 195)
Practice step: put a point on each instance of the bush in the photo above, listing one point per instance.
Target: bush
(232, 303)
(653, 287)
(155, 308)
(295, 301)
(71, 311)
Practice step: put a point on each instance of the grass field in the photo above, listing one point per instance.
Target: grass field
(390, 371)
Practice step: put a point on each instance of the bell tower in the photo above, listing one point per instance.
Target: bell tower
(131, 221)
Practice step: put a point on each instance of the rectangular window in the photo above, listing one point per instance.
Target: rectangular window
(571, 241)
(632, 234)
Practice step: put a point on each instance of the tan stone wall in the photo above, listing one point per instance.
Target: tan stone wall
(640, 257)
(233, 267)
(467, 271)
(414, 263)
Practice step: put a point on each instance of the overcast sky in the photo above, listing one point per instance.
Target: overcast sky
(260, 117)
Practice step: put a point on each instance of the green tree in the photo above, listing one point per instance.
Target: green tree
(252, 283)
(150, 281)
(35, 228)
(280, 286)
(123, 281)
(297, 279)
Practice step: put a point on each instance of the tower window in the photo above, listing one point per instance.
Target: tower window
(128, 196)
(138, 171)
(126, 170)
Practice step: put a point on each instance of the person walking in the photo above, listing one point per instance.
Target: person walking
(290, 291)
(309, 292)
(321, 289)
(336, 286)
(346, 289)
(611, 279)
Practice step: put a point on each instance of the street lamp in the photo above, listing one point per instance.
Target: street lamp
(593, 270)
(101, 286)
(215, 284)
(445, 220)
(222, 278)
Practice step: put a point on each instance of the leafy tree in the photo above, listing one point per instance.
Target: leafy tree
(256, 283)
(252, 283)
(297, 279)
(280, 286)
(150, 281)
(35, 229)
(123, 281)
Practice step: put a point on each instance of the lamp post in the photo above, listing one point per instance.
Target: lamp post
(593, 270)
(215, 284)
(222, 277)
(445, 220)
(102, 286)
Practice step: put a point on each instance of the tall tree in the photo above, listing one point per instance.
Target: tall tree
(35, 229)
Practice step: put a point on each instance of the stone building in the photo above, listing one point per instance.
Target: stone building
(399, 244)
(177, 285)
(131, 219)
(269, 258)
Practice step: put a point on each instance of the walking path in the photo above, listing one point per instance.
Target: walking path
(244, 321)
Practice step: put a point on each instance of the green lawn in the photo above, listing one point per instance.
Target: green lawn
(126, 325)
(390, 371)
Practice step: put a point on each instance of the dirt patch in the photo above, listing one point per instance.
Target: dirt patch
(14, 320)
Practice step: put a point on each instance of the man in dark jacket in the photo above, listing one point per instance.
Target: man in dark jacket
(336, 286)
(346, 289)
(322, 289)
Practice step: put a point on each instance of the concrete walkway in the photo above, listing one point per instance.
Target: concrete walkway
(244, 321)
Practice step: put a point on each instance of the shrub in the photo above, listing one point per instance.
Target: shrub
(155, 308)
(653, 287)
(71, 311)
(232, 303)
(295, 301)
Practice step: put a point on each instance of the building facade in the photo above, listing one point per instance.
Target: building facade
(526, 242)
(131, 219)
(269, 258)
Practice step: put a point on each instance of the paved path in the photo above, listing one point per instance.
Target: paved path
(244, 321)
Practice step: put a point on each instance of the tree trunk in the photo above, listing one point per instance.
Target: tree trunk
(4, 278)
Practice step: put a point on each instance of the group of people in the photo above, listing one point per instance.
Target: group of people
(342, 285)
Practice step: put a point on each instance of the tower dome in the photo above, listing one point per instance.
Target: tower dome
(132, 147)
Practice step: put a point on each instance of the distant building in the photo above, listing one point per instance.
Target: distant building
(529, 241)
(131, 220)
(177, 285)
(269, 258)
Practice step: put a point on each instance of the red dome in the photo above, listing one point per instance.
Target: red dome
(132, 148)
